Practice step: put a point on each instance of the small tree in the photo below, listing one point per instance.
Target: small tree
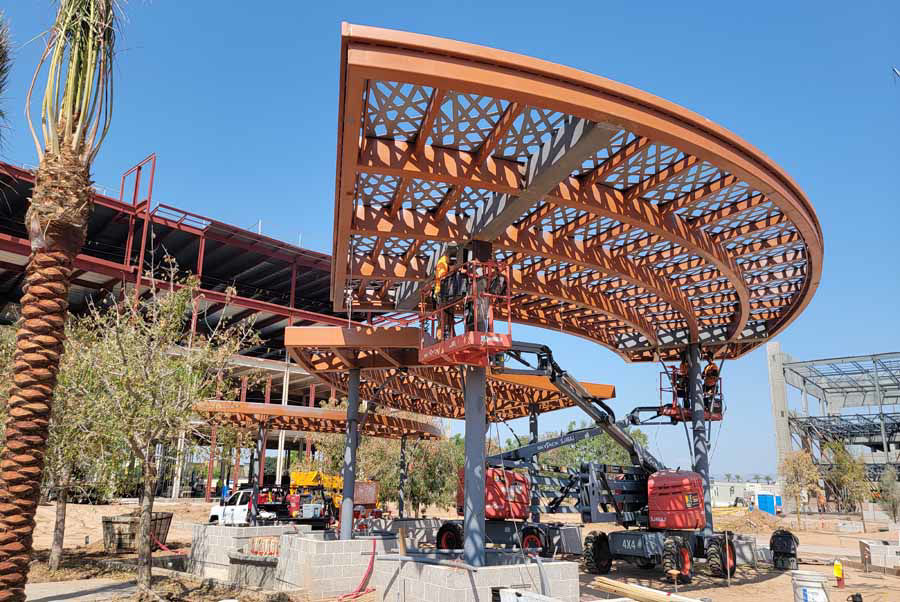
(76, 460)
(728, 476)
(800, 476)
(848, 477)
(890, 493)
(152, 371)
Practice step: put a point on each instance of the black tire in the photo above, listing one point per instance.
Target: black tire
(450, 537)
(677, 556)
(645, 563)
(716, 558)
(597, 557)
(532, 537)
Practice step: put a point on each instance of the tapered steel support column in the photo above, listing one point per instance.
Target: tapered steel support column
(701, 441)
(212, 462)
(236, 473)
(403, 466)
(352, 443)
(532, 469)
(260, 450)
(179, 467)
(473, 504)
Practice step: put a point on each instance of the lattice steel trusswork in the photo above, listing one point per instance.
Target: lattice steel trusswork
(627, 220)
(312, 420)
(392, 374)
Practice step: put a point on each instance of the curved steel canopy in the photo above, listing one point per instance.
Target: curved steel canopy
(394, 377)
(627, 220)
(313, 420)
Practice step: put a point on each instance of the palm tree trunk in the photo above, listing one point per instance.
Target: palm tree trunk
(57, 222)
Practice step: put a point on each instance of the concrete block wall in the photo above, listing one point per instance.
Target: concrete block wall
(879, 554)
(429, 583)
(252, 570)
(211, 545)
(323, 567)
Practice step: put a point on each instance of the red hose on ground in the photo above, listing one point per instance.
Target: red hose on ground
(359, 592)
(163, 547)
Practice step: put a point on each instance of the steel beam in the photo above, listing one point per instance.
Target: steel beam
(476, 430)
(556, 159)
(350, 446)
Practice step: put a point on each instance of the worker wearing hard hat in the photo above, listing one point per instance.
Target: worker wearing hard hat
(710, 381)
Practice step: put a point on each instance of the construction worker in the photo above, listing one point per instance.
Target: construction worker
(710, 381)
(681, 379)
(446, 316)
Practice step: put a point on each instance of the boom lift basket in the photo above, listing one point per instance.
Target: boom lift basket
(673, 405)
(459, 316)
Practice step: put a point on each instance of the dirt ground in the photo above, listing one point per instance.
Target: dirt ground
(85, 521)
(762, 583)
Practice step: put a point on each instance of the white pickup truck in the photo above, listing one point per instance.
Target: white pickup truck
(235, 510)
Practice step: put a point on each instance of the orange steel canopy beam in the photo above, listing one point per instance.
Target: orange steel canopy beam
(389, 359)
(312, 420)
(626, 219)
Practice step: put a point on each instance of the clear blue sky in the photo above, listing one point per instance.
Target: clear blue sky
(239, 100)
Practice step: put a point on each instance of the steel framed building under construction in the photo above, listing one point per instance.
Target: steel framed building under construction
(858, 401)
(128, 238)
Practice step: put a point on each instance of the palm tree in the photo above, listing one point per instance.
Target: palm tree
(728, 476)
(75, 112)
(737, 478)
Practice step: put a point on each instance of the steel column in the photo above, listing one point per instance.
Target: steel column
(285, 385)
(237, 464)
(884, 440)
(476, 429)
(260, 449)
(262, 454)
(179, 467)
(400, 500)
(212, 461)
(312, 403)
(701, 442)
(352, 442)
(532, 469)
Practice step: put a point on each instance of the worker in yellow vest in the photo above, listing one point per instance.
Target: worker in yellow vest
(440, 273)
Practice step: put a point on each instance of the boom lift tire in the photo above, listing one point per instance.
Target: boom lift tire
(533, 537)
(645, 563)
(677, 556)
(597, 557)
(717, 559)
(450, 537)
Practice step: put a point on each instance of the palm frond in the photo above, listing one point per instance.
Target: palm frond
(78, 59)
(5, 59)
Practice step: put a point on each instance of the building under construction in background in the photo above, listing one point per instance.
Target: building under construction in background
(128, 237)
(851, 400)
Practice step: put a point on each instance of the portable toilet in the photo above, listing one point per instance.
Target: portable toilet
(766, 502)
(779, 509)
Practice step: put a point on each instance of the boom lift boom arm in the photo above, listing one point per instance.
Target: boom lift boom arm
(603, 415)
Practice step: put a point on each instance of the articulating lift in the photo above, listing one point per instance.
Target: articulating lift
(664, 512)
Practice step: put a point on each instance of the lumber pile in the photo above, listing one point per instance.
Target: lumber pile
(638, 593)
